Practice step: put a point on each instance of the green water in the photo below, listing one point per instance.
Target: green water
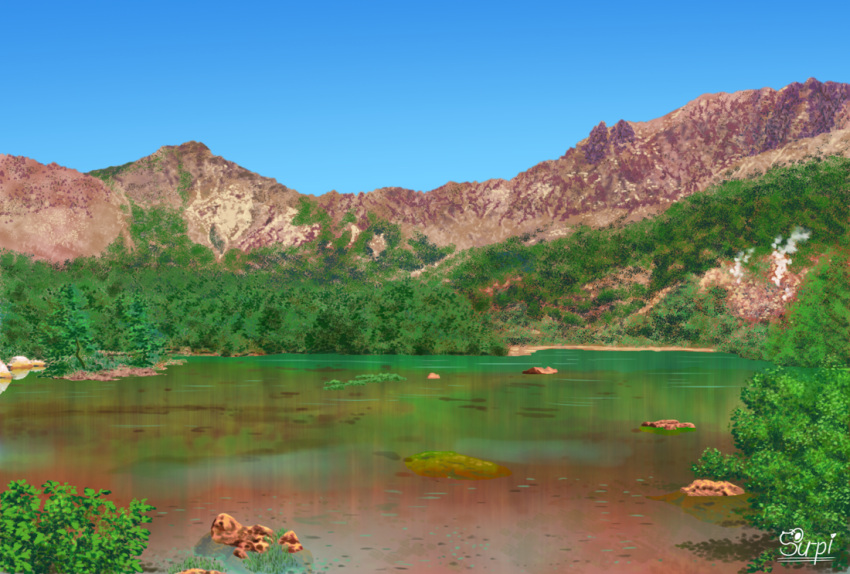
(259, 438)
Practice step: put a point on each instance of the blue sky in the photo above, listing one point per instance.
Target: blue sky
(363, 94)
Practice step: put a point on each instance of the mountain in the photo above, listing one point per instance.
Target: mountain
(619, 174)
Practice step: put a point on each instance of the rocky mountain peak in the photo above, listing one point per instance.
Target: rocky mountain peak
(618, 174)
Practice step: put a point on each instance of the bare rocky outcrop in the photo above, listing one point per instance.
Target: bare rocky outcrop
(617, 175)
(55, 213)
(712, 488)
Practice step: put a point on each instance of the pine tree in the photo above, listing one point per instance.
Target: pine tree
(142, 335)
(69, 331)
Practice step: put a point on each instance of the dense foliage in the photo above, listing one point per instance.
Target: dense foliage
(72, 533)
(161, 293)
(793, 455)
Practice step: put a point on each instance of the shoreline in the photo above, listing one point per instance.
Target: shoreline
(527, 350)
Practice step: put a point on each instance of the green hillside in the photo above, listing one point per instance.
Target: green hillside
(333, 295)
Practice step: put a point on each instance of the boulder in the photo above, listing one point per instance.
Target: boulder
(302, 560)
(540, 371)
(200, 571)
(712, 488)
(289, 542)
(668, 424)
(226, 530)
(433, 376)
(4, 371)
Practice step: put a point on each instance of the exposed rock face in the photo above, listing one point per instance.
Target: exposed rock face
(55, 213)
(668, 424)
(540, 371)
(618, 174)
(712, 488)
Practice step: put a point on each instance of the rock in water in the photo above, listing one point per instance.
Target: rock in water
(712, 488)
(668, 424)
(226, 530)
(540, 371)
(448, 464)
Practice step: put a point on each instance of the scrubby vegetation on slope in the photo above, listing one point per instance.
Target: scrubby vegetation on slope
(337, 295)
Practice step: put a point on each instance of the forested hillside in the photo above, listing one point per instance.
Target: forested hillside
(631, 285)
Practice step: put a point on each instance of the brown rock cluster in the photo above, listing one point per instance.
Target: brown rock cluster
(540, 371)
(226, 530)
(712, 488)
(668, 424)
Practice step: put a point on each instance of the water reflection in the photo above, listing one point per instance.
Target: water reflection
(277, 449)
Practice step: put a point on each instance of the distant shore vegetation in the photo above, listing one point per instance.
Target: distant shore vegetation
(334, 295)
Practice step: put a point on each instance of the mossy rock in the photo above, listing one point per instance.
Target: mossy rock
(448, 464)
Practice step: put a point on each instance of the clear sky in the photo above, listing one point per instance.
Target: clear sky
(360, 94)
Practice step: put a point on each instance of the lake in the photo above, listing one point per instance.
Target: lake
(260, 439)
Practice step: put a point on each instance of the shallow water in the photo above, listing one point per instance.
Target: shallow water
(259, 438)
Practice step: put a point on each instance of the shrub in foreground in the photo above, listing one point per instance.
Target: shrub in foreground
(71, 534)
(793, 456)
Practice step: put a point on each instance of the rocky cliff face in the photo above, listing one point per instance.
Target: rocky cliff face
(620, 173)
(55, 213)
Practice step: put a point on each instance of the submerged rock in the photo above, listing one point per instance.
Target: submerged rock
(540, 371)
(668, 424)
(712, 488)
(448, 464)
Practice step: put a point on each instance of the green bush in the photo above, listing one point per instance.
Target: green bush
(818, 324)
(70, 535)
(793, 454)
(606, 296)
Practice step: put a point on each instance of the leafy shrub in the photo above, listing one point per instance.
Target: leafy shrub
(818, 324)
(572, 319)
(70, 535)
(606, 296)
(793, 453)
(638, 325)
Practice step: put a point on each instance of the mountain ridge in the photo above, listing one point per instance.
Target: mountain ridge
(618, 174)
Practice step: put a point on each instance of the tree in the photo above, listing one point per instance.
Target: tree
(69, 331)
(793, 454)
(142, 335)
(818, 324)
